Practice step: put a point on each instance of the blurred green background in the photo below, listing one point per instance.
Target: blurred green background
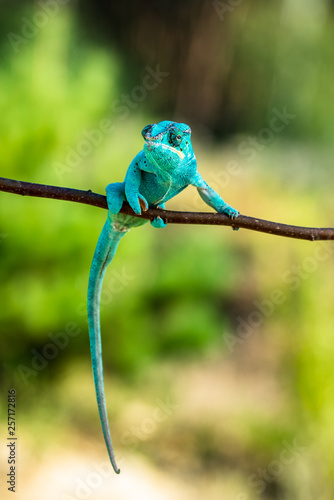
(218, 345)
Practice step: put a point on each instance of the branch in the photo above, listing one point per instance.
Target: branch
(171, 217)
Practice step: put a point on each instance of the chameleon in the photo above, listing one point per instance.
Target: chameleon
(165, 166)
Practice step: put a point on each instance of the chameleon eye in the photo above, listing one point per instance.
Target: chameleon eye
(174, 139)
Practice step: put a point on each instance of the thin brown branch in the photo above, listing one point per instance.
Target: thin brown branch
(171, 217)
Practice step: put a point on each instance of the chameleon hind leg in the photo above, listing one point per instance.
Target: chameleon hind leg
(117, 193)
(158, 222)
(115, 196)
(115, 199)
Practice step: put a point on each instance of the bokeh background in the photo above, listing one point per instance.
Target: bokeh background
(218, 345)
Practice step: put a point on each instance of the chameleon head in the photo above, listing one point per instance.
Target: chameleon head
(167, 144)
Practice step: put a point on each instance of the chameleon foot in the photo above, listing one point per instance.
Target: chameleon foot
(158, 222)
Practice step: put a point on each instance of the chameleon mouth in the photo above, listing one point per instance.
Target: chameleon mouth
(165, 146)
(180, 153)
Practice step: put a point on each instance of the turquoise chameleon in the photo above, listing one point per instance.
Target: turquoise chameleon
(165, 166)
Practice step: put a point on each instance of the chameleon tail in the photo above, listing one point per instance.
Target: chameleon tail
(104, 253)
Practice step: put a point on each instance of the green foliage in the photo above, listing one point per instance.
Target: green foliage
(172, 296)
(282, 53)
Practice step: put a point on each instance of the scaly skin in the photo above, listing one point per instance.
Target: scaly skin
(164, 167)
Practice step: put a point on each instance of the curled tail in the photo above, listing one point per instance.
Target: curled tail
(104, 252)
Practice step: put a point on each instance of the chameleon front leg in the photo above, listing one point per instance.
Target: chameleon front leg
(212, 198)
(132, 184)
(136, 200)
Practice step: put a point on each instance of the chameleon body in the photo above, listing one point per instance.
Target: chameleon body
(164, 167)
